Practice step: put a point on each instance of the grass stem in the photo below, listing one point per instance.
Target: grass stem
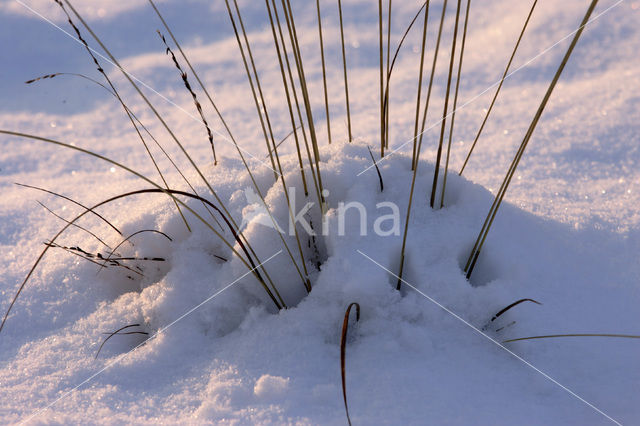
(117, 95)
(473, 256)
(455, 103)
(624, 336)
(167, 128)
(422, 50)
(444, 112)
(289, 18)
(324, 71)
(344, 70)
(388, 74)
(381, 58)
(415, 169)
(343, 353)
(495, 96)
(260, 107)
(158, 189)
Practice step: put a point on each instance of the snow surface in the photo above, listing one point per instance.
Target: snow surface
(569, 237)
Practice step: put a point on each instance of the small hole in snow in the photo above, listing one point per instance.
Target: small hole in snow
(485, 269)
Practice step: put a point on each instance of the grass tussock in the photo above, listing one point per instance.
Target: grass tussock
(301, 113)
(302, 258)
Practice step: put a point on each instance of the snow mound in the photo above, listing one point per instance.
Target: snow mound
(220, 350)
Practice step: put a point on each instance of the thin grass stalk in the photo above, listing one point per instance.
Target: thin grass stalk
(288, 13)
(455, 103)
(113, 261)
(295, 98)
(257, 79)
(419, 148)
(293, 85)
(89, 257)
(133, 115)
(293, 89)
(187, 85)
(128, 239)
(431, 77)
(171, 133)
(343, 353)
(514, 164)
(123, 258)
(377, 169)
(417, 121)
(475, 253)
(236, 235)
(284, 139)
(193, 71)
(122, 103)
(324, 71)
(252, 266)
(382, 100)
(398, 48)
(118, 332)
(247, 262)
(149, 104)
(158, 189)
(175, 166)
(135, 86)
(253, 89)
(624, 336)
(436, 172)
(500, 194)
(100, 240)
(195, 74)
(202, 87)
(291, 215)
(305, 278)
(298, 108)
(211, 101)
(52, 75)
(293, 34)
(209, 97)
(288, 96)
(98, 215)
(495, 96)
(344, 71)
(388, 73)
(512, 305)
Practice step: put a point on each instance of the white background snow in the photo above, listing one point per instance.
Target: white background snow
(569, 238)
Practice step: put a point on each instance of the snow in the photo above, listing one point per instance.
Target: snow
(568, 237)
